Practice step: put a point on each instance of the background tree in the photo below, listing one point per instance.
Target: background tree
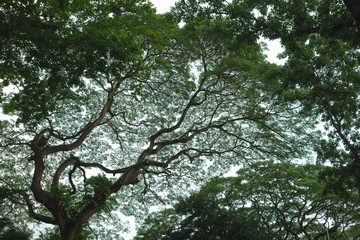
(266, 200)
(294, 201)
(321, 44)
(115, 110)
(8, 230)
(321, 72)
(203, 215)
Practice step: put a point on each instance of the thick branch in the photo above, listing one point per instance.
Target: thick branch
(61, 169)
(30, 205)
(88, 128)
(32, 213)
(190, 104)
(40, 140)
(107, 170)
(100, 196)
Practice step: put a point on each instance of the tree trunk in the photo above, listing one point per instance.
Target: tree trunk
(354, 7)
(70, 231)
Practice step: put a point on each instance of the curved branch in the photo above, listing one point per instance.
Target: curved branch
(61, 169)
(190, 104)
(83, 171)
(107, 170)
(32, 213)
(40, 140)
(71, 181)
(88, 128)
(30, 205)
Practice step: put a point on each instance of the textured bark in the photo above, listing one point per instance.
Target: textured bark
(69, 228)
(354, 8)
(69, 231)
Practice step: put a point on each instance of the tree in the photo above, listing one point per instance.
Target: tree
(294, 201)
(203, 215)
(321, 45)
(322, 70)
(8, 229)
(266, 200)
(111, 90)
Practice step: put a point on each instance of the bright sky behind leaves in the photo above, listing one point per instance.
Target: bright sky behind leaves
(163, 6)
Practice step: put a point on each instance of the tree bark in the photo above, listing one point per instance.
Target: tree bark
(354, 8)
(70, 231)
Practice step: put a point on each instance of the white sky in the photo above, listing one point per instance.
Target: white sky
(274, 47)
(163, 5)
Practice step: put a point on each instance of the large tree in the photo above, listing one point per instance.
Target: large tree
(294, 201)
(204, 215)
(321, 41)
(266, 200)
(106, 105)
(321, 47)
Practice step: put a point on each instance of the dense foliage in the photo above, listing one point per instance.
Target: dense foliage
(9, 230)
(264, 201)
(202, 219)
(113, 108)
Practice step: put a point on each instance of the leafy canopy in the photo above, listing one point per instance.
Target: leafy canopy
(266, 200)
(106, 104)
